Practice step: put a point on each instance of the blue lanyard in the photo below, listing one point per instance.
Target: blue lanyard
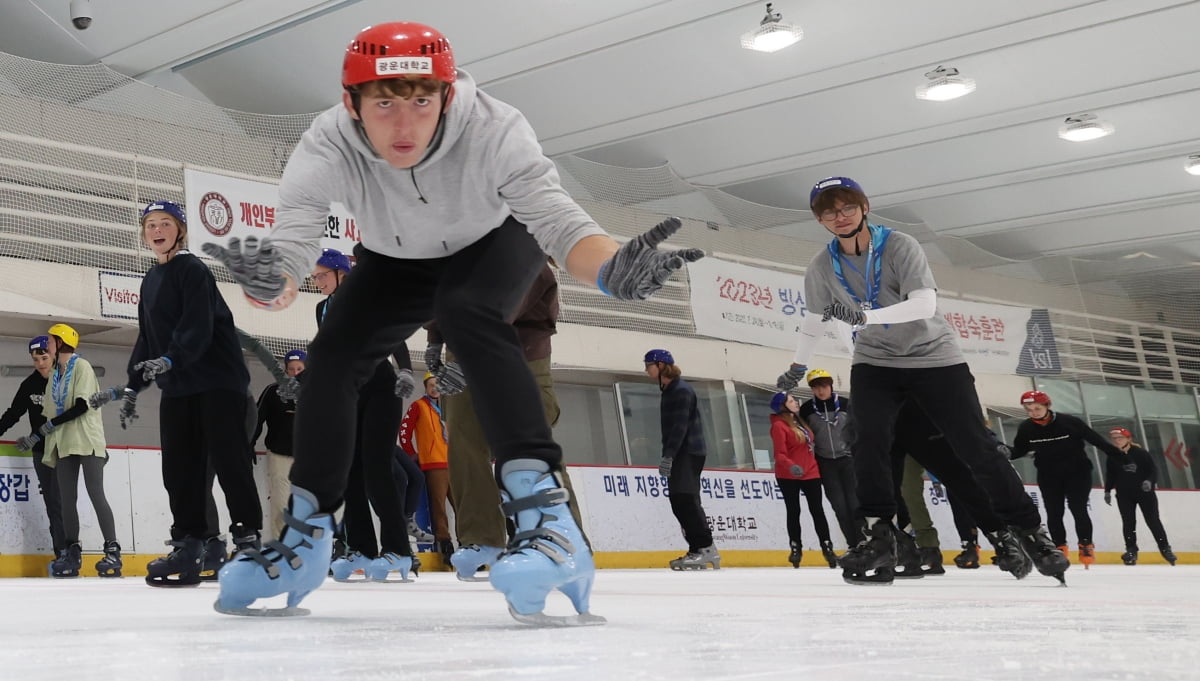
(837, 408)
(325, 309)
(874, 267)
(437, 407)
(60, 384)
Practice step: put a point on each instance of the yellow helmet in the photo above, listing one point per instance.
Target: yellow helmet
(428, 375)
(67, 334)
(815, 374)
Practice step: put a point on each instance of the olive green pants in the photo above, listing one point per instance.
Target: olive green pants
(912, 490)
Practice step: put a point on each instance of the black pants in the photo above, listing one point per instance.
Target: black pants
(811, 489)
(48, 484)
(918, 437)
(841, 486)
(964, 522)
(1127, 503)
(382, 302)
(1067, 489)
(947, 395)
(196, 430)
(372, 482)
(410, 481)
(684, 487)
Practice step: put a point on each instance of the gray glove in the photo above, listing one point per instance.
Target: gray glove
(664, 466)
(37, 398)
(433, 357)
(1108, 497)
(796, 470)
(103, 397)
(27, 442)
(405, 383)
(256, 266)
(128, 413)
(791, 378)
(153, 368)
(844, 313)
(289, 390)
(450, 379)
(639, 269)
(1147, 486)
(47, 428)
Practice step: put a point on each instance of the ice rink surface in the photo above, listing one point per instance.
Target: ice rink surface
(1112, 622)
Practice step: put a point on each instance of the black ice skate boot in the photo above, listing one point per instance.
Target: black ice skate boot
(445, 547)
(969, 558)
(1130, 555)
(215, 557)
(179, 568)
(68, 562)
(794, 556)
(828, 554)
(1165, 549)
(908, 557)
(1047, 558)
(110, 565)
(244, 538)
(1010, 556)
(872, 560)
(931, 560)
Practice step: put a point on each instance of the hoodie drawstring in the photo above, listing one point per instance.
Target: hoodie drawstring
(413, 174)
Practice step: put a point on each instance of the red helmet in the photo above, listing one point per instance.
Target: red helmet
(399, 49)
(1123, 432)
(1035, 397)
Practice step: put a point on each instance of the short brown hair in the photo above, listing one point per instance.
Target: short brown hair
(670, 371)
(182, 231)
(828, 198)
(404, 88)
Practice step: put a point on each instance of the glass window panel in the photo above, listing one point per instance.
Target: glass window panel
(758, 411)
(1173, 446)
(1064, 395)
(641, 414)
(1005, 428)
(1107, 400)
(1155, 404)
(588, 429)
(724, 438)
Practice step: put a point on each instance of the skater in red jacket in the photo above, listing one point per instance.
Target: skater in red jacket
(797, 473)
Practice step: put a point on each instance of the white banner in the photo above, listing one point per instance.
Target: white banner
(227, 206)
(765, 307)
(119, 294)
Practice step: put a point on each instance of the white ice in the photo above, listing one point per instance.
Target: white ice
(1112, 622)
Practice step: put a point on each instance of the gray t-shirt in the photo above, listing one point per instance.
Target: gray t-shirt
(919, 344)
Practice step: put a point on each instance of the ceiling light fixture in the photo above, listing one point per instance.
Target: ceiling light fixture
(773, 33)
(1084, 128)
(1193, 164)
(945, 84)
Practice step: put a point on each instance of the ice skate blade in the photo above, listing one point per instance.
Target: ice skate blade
(883, 577)
(110, 575)
(262, 612)
(388, 580)
(471, 579)
(541, 619)
(171, 583)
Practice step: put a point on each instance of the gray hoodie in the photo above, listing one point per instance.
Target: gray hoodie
(487, 166)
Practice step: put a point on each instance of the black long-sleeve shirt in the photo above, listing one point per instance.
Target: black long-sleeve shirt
(278, 416)
(681, 429)
(1127, 471)
(1057, 446)
(181, 315)
(34, 384)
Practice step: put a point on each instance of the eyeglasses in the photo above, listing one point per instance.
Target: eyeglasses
(845, 211)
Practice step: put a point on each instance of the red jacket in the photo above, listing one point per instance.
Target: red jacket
(790, 450)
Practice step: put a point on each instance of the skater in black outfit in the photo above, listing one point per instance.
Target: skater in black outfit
(879, 283)
(28, 400)
(1064, 471)
(831, 421)
(1135, 477)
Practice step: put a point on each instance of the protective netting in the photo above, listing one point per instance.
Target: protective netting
(83, 147)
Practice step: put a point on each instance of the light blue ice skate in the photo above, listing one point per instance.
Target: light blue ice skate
(379, 568)
(467, 561)
(344, 568)
(295, 565)
(548, 551)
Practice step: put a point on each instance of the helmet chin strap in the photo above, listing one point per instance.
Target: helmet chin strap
(854, 235)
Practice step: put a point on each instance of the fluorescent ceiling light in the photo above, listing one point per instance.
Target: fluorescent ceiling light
(1193, 164)
(1084, 128)
(945, 84)
(773, 34)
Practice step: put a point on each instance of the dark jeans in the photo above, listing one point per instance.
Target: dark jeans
(196, 431)
(372, 482)
(811, 489)
(48, 484)
(410, 481)
(964, 522)
(841, 486)
(1061, 489)
(684, 487)
(947, 395)
(381, 303)
(1127, 503)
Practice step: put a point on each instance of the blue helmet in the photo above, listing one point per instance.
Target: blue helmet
(829, 183)
(658, 356)
(169, 207)
(334, 260)
(777, 402)
(39, 343)
(295, 355)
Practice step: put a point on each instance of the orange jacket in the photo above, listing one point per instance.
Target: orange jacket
(423, 434)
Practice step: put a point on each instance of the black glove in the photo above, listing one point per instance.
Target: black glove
(128, 413)
(153, 368)
(433, 357)
(256, 266)
(1147, 486)
(405, 383)
(450, 379)
(1108, 497)
(638, 268)
(791, 378)
(289, 390)
(796, 470)
(664, 466)
(844, 313)
(27, 442)
(938, 489)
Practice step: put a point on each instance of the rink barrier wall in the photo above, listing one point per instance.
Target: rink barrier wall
(625, 510)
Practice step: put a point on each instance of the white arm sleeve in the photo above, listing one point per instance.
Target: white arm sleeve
(920, 304)
(810, 332)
